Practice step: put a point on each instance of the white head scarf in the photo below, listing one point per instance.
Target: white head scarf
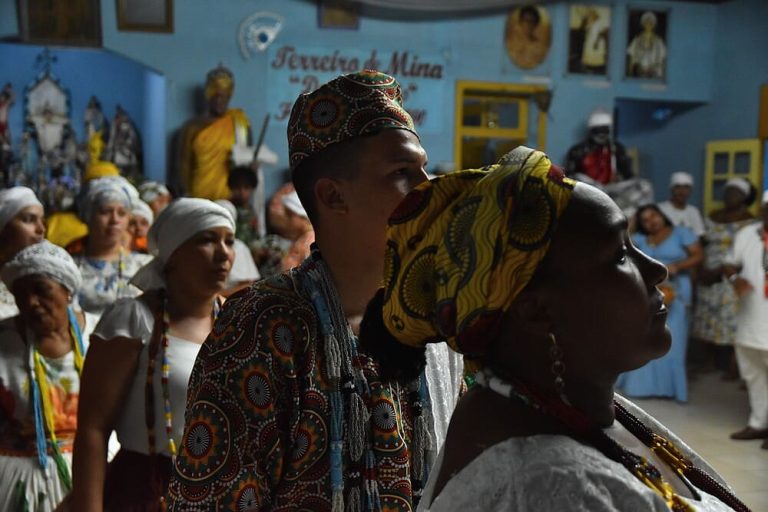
(106, 190)
(46, 259)
(142, 209)
(13, 200)
(739, 184)
(179, 222)
(229, 206)
(293, 203)
(151, 190)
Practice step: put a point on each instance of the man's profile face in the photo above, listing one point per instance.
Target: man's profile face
(390, 164)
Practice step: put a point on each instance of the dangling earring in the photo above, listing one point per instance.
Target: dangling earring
(557, 368)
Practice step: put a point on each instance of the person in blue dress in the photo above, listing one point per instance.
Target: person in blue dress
(679, 249)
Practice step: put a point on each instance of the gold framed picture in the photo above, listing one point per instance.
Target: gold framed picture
(338, 14)
(145, 15)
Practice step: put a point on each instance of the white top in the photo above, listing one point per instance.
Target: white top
(689, 217)
(752, 316)
(7, 303)
(553, 472)
(244, 268)
(132, 318)
(445, 373)
(19, 468)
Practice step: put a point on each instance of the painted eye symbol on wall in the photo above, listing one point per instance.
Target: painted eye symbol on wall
(258, 31)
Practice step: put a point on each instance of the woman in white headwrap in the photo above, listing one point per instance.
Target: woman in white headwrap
(714, 318)
(21, 224)
(142, 218)
(141, 358)
(41, 355)
(106, 265)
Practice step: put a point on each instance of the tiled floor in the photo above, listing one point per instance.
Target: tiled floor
(715, 409)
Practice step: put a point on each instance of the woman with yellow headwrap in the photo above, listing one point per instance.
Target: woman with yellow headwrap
(503, 263)
(207, 142)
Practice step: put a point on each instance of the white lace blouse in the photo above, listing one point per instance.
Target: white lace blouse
(555, 473)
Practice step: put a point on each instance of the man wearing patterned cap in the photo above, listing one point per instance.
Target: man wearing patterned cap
(206, 143)
(284, 411)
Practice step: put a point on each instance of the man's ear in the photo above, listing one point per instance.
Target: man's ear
(330, 196)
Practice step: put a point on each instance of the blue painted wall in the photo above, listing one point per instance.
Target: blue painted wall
(717, 56)
(472, 46)
(739, 68)
(113, 79)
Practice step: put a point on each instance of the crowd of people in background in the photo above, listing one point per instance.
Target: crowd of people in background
(201, 353)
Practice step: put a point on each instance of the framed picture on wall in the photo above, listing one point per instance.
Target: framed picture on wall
(75, 23)
(528, 35)
(145, 15)
(589, 37)
(646, 52)
(339, 14)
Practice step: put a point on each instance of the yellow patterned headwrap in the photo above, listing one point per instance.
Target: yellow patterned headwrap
(461, 248)
(219, 80)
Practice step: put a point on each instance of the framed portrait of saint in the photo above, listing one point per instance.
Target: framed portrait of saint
(75, 22)
(589, 31)
(528, 36)
(646, 52)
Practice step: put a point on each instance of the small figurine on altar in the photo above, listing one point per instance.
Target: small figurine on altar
(600, 157)
(6, 100)
(6, 153)
(96, 124)
(124, 146)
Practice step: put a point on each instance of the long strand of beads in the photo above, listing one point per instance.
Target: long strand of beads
(638, 466)
(164, 376)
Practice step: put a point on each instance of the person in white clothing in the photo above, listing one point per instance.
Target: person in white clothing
(677, 208)
(749, 276)
(22, 223)
(142, 352)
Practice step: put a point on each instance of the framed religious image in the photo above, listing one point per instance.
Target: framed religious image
(75, 22)
(145, 15)
(589, 39)
(340, 14)
(647, 44)
(528, 35)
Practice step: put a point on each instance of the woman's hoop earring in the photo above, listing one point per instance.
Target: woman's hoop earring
(558, 367)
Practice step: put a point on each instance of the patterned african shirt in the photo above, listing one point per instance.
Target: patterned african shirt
(258, 415)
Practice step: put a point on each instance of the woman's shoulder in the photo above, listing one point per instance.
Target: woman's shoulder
(126, 318)
(545, 472)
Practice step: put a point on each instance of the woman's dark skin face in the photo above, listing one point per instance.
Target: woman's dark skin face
(42, 304)
(734, 199)
(597, 294)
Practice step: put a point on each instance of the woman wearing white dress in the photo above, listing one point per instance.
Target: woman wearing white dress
(106, 264)
(41, 355)
(142, 352)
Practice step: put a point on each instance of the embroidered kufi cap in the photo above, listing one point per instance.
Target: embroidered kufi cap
(348, 106)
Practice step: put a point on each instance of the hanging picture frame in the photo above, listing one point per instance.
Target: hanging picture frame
(145, 15)
(528, 35)
(589, 38)
(646, 51)
(338, 14)
(72, 23)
